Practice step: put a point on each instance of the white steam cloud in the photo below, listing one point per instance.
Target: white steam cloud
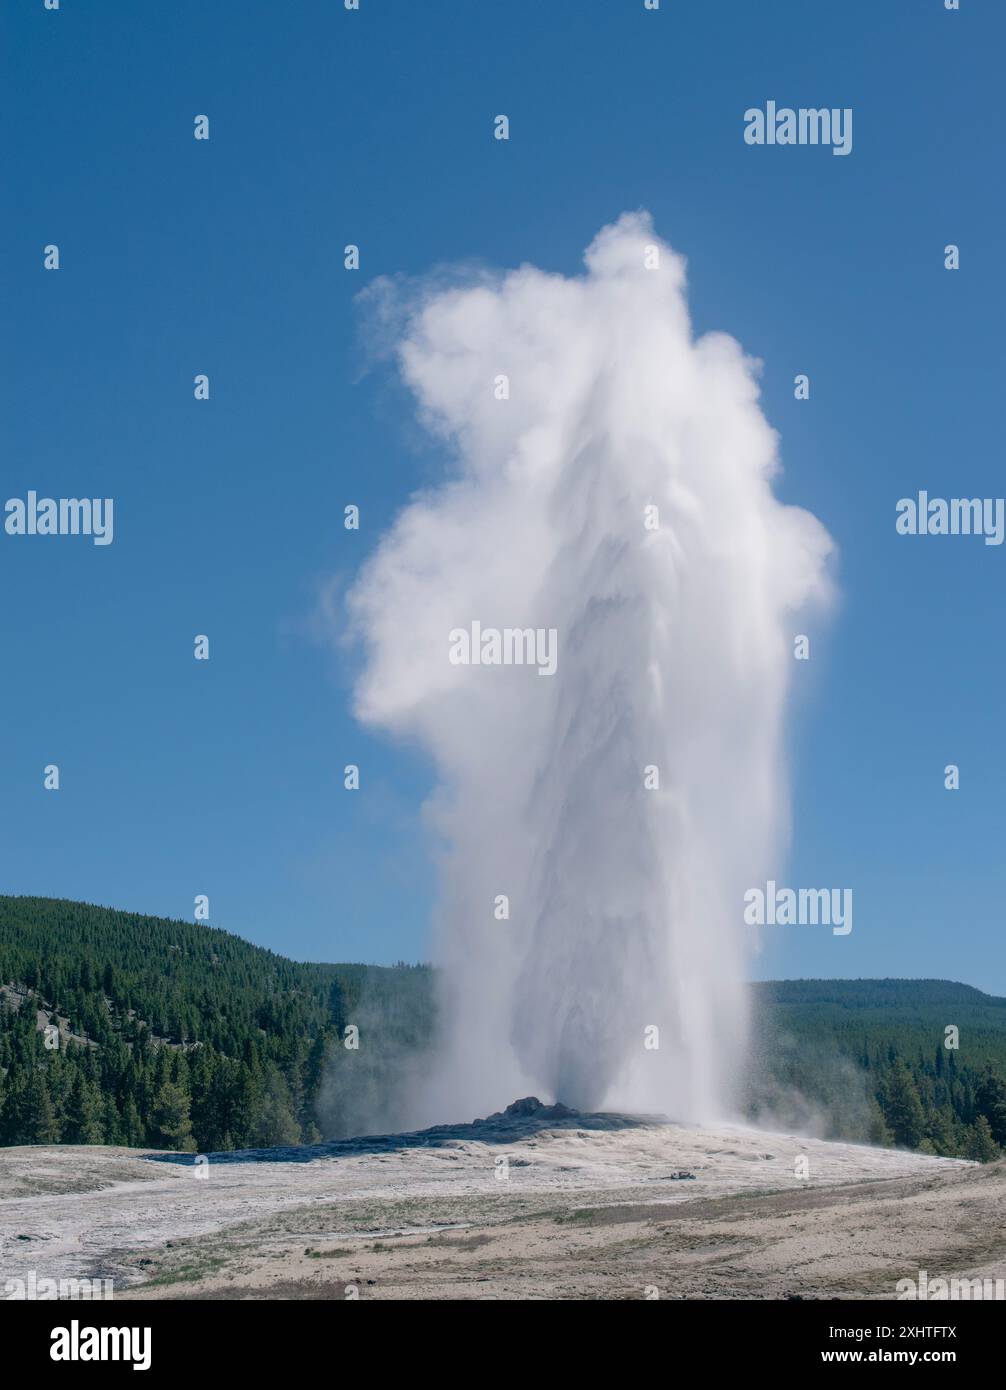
(675, 651)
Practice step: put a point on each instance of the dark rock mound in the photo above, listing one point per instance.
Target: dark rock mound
(531, 1105)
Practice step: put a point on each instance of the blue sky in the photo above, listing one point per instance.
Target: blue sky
(225, 257)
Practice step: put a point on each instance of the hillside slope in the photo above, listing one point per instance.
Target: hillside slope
(125, 1029)
(919, 1063)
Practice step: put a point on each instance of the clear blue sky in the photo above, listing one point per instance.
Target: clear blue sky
(328, 127)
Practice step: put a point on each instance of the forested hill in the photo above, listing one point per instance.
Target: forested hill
(174, 1033)
(118, 1028)
(859, 995)
(920, 1063)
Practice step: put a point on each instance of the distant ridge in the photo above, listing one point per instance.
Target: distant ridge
(868, 991)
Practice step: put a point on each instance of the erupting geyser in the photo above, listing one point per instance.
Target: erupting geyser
(600, 823)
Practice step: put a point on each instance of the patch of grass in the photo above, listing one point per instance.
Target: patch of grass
(615, 1216)
(458, 1242)
(189, 1273)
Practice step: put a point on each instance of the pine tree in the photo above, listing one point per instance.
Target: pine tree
(84, 1121)
(903, 1108)
(275, 1123)
(879, 1132)
(982, 1147)
(133, 1133)
(33, 1119)
(990, 1101)
(941, 1131)
(172, 1127)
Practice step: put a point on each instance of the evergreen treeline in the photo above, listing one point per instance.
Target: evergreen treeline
(117, 1028)
(869, 1059)
(182, 1036)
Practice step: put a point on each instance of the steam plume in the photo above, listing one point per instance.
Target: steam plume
(674, 652)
